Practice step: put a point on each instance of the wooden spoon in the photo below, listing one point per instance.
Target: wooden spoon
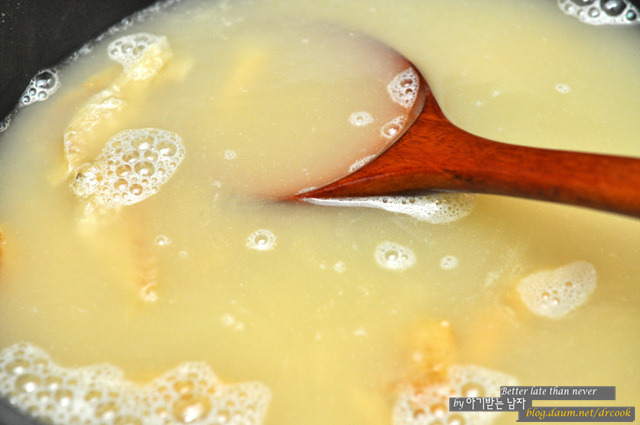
(435, 155)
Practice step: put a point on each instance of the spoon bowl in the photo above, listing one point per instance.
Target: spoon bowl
(435, 155)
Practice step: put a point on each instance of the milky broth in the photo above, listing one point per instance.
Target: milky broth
(302, 313)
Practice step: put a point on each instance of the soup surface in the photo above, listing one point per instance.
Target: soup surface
(139, 228)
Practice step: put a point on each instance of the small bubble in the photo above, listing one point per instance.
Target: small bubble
(130, 157)
(563, 88)
(163, 240)
(92, 395)
(142, 142)
(53, 382)
(183, 387)
(136, 189)
(63, 397)
(472, 389)
(27, 383)
(123, 170)
(261, 240)
(223, 416)
(393, 127)
(166, 148)
(393, 256)
(17, 367)
(150, 156)
(43, 397)
(144, 168)
(438, 409)
(360, 119)
(613, 7)
(419, 414)
(594, 12)
(190, 408)
(455, 419)
(229, 154)
(121, 185)
(106, 411)
(449, 262)
(46, 80)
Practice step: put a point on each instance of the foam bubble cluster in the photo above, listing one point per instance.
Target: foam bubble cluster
(392, 129)
(435, 209)
(360, 119)
(43, 85)
(140, 54)
(190, 393)
(133, 166)
(403, 89)
(430, 405)
(392, 256)
(599, 12)
(557, 292)
(5, 123)
(563, 88)
(449, 262)
(261, 240)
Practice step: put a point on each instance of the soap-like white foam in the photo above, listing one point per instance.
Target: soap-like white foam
(163, 240)
(449, 262)
(430, 405)
(133, 166)
(393, 128)
(261, 240)
(230, 155)
(190, 393)
(435, 209)
(601, 12)
(392, 256)
(358, 164)
(141, 55)
(231, 322)
(557, 292)
(360, 119)
(403, 89)
(5, 123)
(340, 267)
(43, 85)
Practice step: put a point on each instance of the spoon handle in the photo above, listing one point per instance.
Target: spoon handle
(434, 154)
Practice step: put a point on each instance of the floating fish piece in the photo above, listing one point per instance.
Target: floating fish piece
(142, 56)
